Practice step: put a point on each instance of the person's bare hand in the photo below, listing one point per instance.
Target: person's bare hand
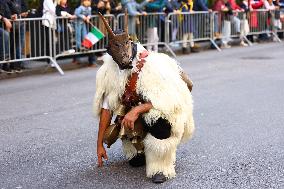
(144, 13)
(72, 16)
(8, 24)
(130, 118)
(24, 14)
(101, 153)
(14, 17)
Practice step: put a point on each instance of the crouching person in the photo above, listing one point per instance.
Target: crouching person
(150, 96)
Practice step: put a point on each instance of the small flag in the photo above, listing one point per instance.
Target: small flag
(92, 37)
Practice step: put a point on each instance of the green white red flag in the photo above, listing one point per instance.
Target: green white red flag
(92, 37)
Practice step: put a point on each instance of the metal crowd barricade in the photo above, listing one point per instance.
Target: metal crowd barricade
(275, 23)
(148, 28)
(69, 42)
(28, 40)
(190, 27)
(262, 21)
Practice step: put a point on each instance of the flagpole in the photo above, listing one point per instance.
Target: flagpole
(91, 24)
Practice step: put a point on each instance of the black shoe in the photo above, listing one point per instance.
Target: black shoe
(159, 178)
(138, 160)
(195, 48)
(7, 70)
(185, 50)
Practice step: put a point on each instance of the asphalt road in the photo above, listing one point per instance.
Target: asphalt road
(48, 134)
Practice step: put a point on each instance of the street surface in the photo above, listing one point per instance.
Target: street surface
(48, 134)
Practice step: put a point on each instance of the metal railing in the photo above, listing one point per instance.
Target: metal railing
(70, 33)
(30, 40)
(190, 27)
(149, 29)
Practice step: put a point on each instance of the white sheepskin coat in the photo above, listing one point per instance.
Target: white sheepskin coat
(159, 82)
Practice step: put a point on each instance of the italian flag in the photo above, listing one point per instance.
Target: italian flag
(92, 37)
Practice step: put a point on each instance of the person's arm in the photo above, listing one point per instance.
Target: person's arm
(202, 5)
(49, 5)
(155, 6)
(130, 118)
(8, 24)
(131, 10)
(257, 5)
(58, 11)
(78, 13)
(24, 9)
(105, 119)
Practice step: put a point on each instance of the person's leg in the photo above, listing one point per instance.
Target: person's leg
(19, 47)
(226, 32)
(78, 35)
(4, 44)
(150, 38)
(156, 39)
(160, 151)
(237, 24)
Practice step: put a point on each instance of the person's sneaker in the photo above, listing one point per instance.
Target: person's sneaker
(185, 50)
(159, 178)
(225, 46)
(217, 35)
(8, 71)
(243, 44)
(18, 70)
(138, 160)
(195, 48)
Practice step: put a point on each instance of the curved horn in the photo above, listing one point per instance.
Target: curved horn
(126, 21)
(111, 34)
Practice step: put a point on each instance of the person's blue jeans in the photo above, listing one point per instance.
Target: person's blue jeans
(81, 32)
(17, 40)
(4, 46)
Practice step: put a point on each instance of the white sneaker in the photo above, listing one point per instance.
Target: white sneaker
(226, 46)
(243, 44)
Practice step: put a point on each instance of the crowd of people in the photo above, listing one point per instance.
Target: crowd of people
(80, 15)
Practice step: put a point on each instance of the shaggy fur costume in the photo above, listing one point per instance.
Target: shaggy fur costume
(160, 83)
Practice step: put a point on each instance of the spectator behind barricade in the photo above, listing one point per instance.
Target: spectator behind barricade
(236, 21)
(83, 13)
(172, 6)
(63, 27)
(273, 11)
(134, 9)
(277, 16)
(116, 7)
(49, 27)
(187, 25)
(224, 7)
(102, 6)
(18, 10)
(201, 5)
(153, 21)
(5, 27)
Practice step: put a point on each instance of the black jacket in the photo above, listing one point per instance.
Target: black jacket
(17, 6)
(4, 9)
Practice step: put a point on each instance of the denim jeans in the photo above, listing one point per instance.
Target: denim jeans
(81, 32)
(17, 40)
(4, 44)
